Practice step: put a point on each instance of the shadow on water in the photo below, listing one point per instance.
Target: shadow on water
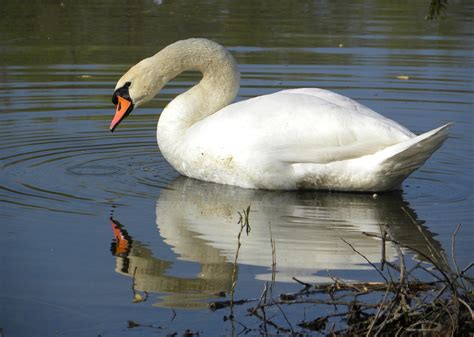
(199, 221)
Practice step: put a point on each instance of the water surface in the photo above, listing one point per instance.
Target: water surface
(86, 213)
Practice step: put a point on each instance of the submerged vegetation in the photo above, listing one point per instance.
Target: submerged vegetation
(430, 298)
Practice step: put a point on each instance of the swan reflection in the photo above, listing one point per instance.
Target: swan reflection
(199, 221)
(150, 273)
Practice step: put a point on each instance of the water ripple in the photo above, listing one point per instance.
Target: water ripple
(57, 154)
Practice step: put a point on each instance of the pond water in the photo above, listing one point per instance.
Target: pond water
(87, 214)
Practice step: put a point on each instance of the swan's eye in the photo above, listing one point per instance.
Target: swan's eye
(114, 98)
(122, 92)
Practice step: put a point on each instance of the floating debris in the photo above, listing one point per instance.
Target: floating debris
(403, 77)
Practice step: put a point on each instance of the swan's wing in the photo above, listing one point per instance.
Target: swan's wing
(299, 126)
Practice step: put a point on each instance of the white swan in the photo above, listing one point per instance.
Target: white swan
(292, 139)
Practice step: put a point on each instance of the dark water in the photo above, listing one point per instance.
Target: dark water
(63, 174)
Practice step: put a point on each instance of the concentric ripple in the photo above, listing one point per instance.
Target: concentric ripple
(67, 172)
(56, 152)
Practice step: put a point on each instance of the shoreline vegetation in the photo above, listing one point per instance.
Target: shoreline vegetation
(401, 305)
(436, 9)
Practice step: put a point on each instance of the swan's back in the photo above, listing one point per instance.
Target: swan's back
(301, 125)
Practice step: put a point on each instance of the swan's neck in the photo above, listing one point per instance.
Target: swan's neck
(217, 88)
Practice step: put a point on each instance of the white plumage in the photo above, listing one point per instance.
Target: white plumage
(292, 139)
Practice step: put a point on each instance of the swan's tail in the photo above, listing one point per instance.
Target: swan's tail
(399, 160)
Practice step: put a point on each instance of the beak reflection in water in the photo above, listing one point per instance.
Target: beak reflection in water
(199, 221)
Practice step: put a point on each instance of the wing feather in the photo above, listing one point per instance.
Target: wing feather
(299, 126)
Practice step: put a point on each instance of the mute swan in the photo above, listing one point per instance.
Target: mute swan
(291, 139)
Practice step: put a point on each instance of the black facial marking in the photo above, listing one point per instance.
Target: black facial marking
(122, 92)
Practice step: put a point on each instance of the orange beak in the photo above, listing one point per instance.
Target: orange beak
(124, 107)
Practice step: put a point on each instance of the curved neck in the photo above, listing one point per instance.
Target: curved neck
(217, 88)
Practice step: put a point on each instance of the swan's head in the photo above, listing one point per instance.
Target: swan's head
(137, 86)
(121, 98)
